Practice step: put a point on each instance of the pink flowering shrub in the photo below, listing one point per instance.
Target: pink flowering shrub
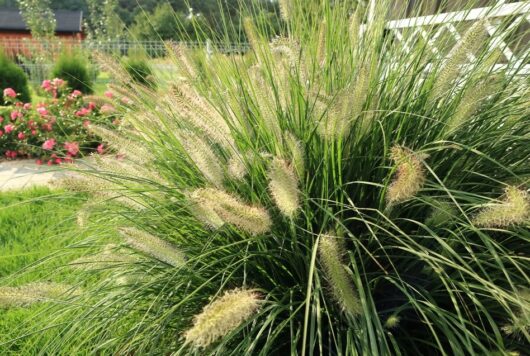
(53, 131)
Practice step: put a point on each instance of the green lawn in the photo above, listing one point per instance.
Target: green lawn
(34, 224)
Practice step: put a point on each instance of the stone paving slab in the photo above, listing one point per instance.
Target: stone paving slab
(22, 174)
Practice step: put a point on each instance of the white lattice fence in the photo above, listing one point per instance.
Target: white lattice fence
(501, 22)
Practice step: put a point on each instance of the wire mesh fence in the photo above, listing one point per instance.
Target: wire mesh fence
(28, 47)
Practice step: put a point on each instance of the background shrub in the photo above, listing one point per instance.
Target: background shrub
(12, 76)
(74, 68)
(139, 69)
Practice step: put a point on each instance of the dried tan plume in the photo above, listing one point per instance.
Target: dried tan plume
(468, 105)
(198, 112)
(346, 107)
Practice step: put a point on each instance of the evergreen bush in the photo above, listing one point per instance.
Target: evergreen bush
(73, 67)
(12, 76)
(139, 70)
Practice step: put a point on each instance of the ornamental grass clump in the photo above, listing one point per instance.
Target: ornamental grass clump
(244, 162)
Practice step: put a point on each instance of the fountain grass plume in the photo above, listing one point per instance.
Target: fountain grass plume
(28, 294)
(409, 177)
(222, 316)
(203, 157)
(229, 209)
(331, 256)
(283, 187)
(468, 45)
(153, 246)
(513, 209)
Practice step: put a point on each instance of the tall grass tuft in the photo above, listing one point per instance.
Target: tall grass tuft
(303, 134)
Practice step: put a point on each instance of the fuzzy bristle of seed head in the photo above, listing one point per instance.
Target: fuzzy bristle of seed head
(236, 167)
(153, 246)
(283, 186)
(346, 107)
(285, 9)
(203, 156)
(222, 316)
(194, 109)
(409, 178)
(331, 256)
(131, 149)
(451, 69)
(202, 209)
(513, 209)
(229, 209)
(296, 153)
(32, 293)
(252, 34)
(468, 105)
(392, 321)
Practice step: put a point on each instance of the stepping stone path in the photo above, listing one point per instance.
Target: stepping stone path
(22, 174)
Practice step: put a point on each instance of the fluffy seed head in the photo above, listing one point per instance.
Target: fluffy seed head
(340, 281)
(470, 102)
(153, 246)
(283, 186)
(99, 187)
(203, 209)
(285, 9)
(297, 154)
(222, 316)
(392, 321)
(409, 177)
(264, 98)
(321, 46)
(182, 55)
(346, 107)
(514, 209)
(119, 141)
(236, 167)
(203, 156)
(196, 111)
(229, 209)
(31, 293)
(451, 69)
(355, 27)
(252, 34)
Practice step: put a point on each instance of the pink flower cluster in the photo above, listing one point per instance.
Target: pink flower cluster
(53, 86)
(10, 93)
(54, 131)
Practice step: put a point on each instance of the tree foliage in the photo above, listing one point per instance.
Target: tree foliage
(103, 22)
(38, 16)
